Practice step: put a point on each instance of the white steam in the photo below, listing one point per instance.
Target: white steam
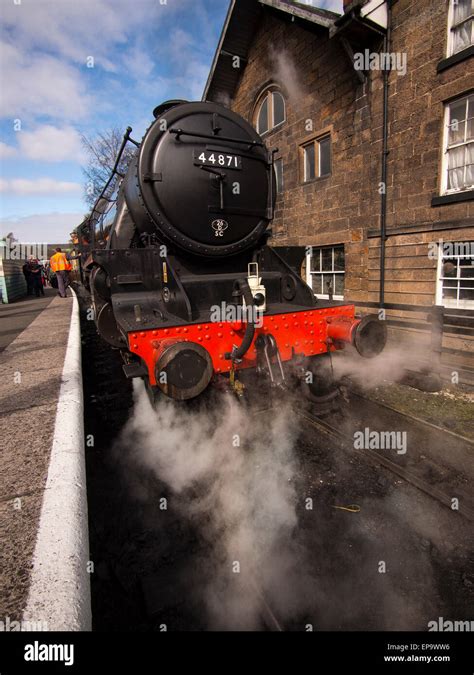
(285, 72)
(389, 366)
(232, 474)
(224, 99)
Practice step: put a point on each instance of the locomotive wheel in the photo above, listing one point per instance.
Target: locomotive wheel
(324, 404)
(107, 326)
(323, 392)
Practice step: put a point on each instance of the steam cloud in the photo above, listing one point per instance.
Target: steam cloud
(389, 366)
(233, 474)
(224, 99)
(236, 476)
(285, 72)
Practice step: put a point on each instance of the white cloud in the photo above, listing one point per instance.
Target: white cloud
(195, 80)
(72, 29)
(46, 144)
(7, 151)
(53, 228)
(40, 84)
(76, 29)
(45, 44)
(185, 54)
(51, 144)
(37, 186)
(138, 63)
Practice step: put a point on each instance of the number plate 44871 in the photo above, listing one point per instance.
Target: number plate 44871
(217, 159)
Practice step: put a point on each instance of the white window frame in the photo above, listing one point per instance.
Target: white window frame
(316, 143)
(451, 302)
(311, 144)
(279, 188)
(267, 95)
(444, 164)
(319, 140)
(309, 272)
(450, 51)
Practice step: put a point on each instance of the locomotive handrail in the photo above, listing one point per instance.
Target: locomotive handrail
(182, 132)
(126, 138)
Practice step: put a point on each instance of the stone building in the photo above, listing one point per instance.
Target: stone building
(372, 113)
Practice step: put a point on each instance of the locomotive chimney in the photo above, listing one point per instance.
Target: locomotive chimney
(166, 105)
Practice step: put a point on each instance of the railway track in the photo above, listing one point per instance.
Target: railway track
(418, 420)
(378, 458)
(268, 616)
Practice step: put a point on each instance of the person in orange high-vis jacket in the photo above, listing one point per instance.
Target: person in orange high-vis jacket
(60, 265)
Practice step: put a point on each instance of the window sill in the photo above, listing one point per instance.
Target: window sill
(455, 58)
(266, 133)
(317, 179)
(453, 198)
(326, 297)
(448, 305)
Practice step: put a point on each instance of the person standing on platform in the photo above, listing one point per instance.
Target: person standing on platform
(44, 273)
(36, 270)
(61, 266)
(27, 275)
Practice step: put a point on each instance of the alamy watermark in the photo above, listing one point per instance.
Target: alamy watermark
(447, 626)
(381, 440)
(236, 313)
(8, 625)
(37, 651)
(451, 249)
(10, 249)
(368, 60)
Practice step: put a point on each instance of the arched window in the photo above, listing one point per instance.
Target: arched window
(270, 111)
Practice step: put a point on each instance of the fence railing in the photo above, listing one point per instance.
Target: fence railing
(457, 321)
(439, 321)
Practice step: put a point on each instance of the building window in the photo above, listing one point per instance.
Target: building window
(461, 25)
(278, 165)
(325, 271)
(455, 280)
(458, 164)
(271, 111)
(316, 158)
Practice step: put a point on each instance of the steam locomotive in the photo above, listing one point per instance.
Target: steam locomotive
(181, 275)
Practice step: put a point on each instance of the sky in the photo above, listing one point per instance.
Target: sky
(142, 52)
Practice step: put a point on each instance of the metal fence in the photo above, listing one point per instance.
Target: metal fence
(439, 321)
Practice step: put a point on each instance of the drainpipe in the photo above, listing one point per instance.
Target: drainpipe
(385, 151)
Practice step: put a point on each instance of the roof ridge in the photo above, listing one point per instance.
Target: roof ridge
(303, 11)
(311, 8)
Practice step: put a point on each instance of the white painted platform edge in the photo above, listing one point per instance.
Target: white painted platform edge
(59, 593)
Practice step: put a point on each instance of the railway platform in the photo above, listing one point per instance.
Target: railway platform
(15, 317)
(43, 509)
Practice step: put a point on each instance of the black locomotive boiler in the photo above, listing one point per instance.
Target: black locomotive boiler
(181, 275)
